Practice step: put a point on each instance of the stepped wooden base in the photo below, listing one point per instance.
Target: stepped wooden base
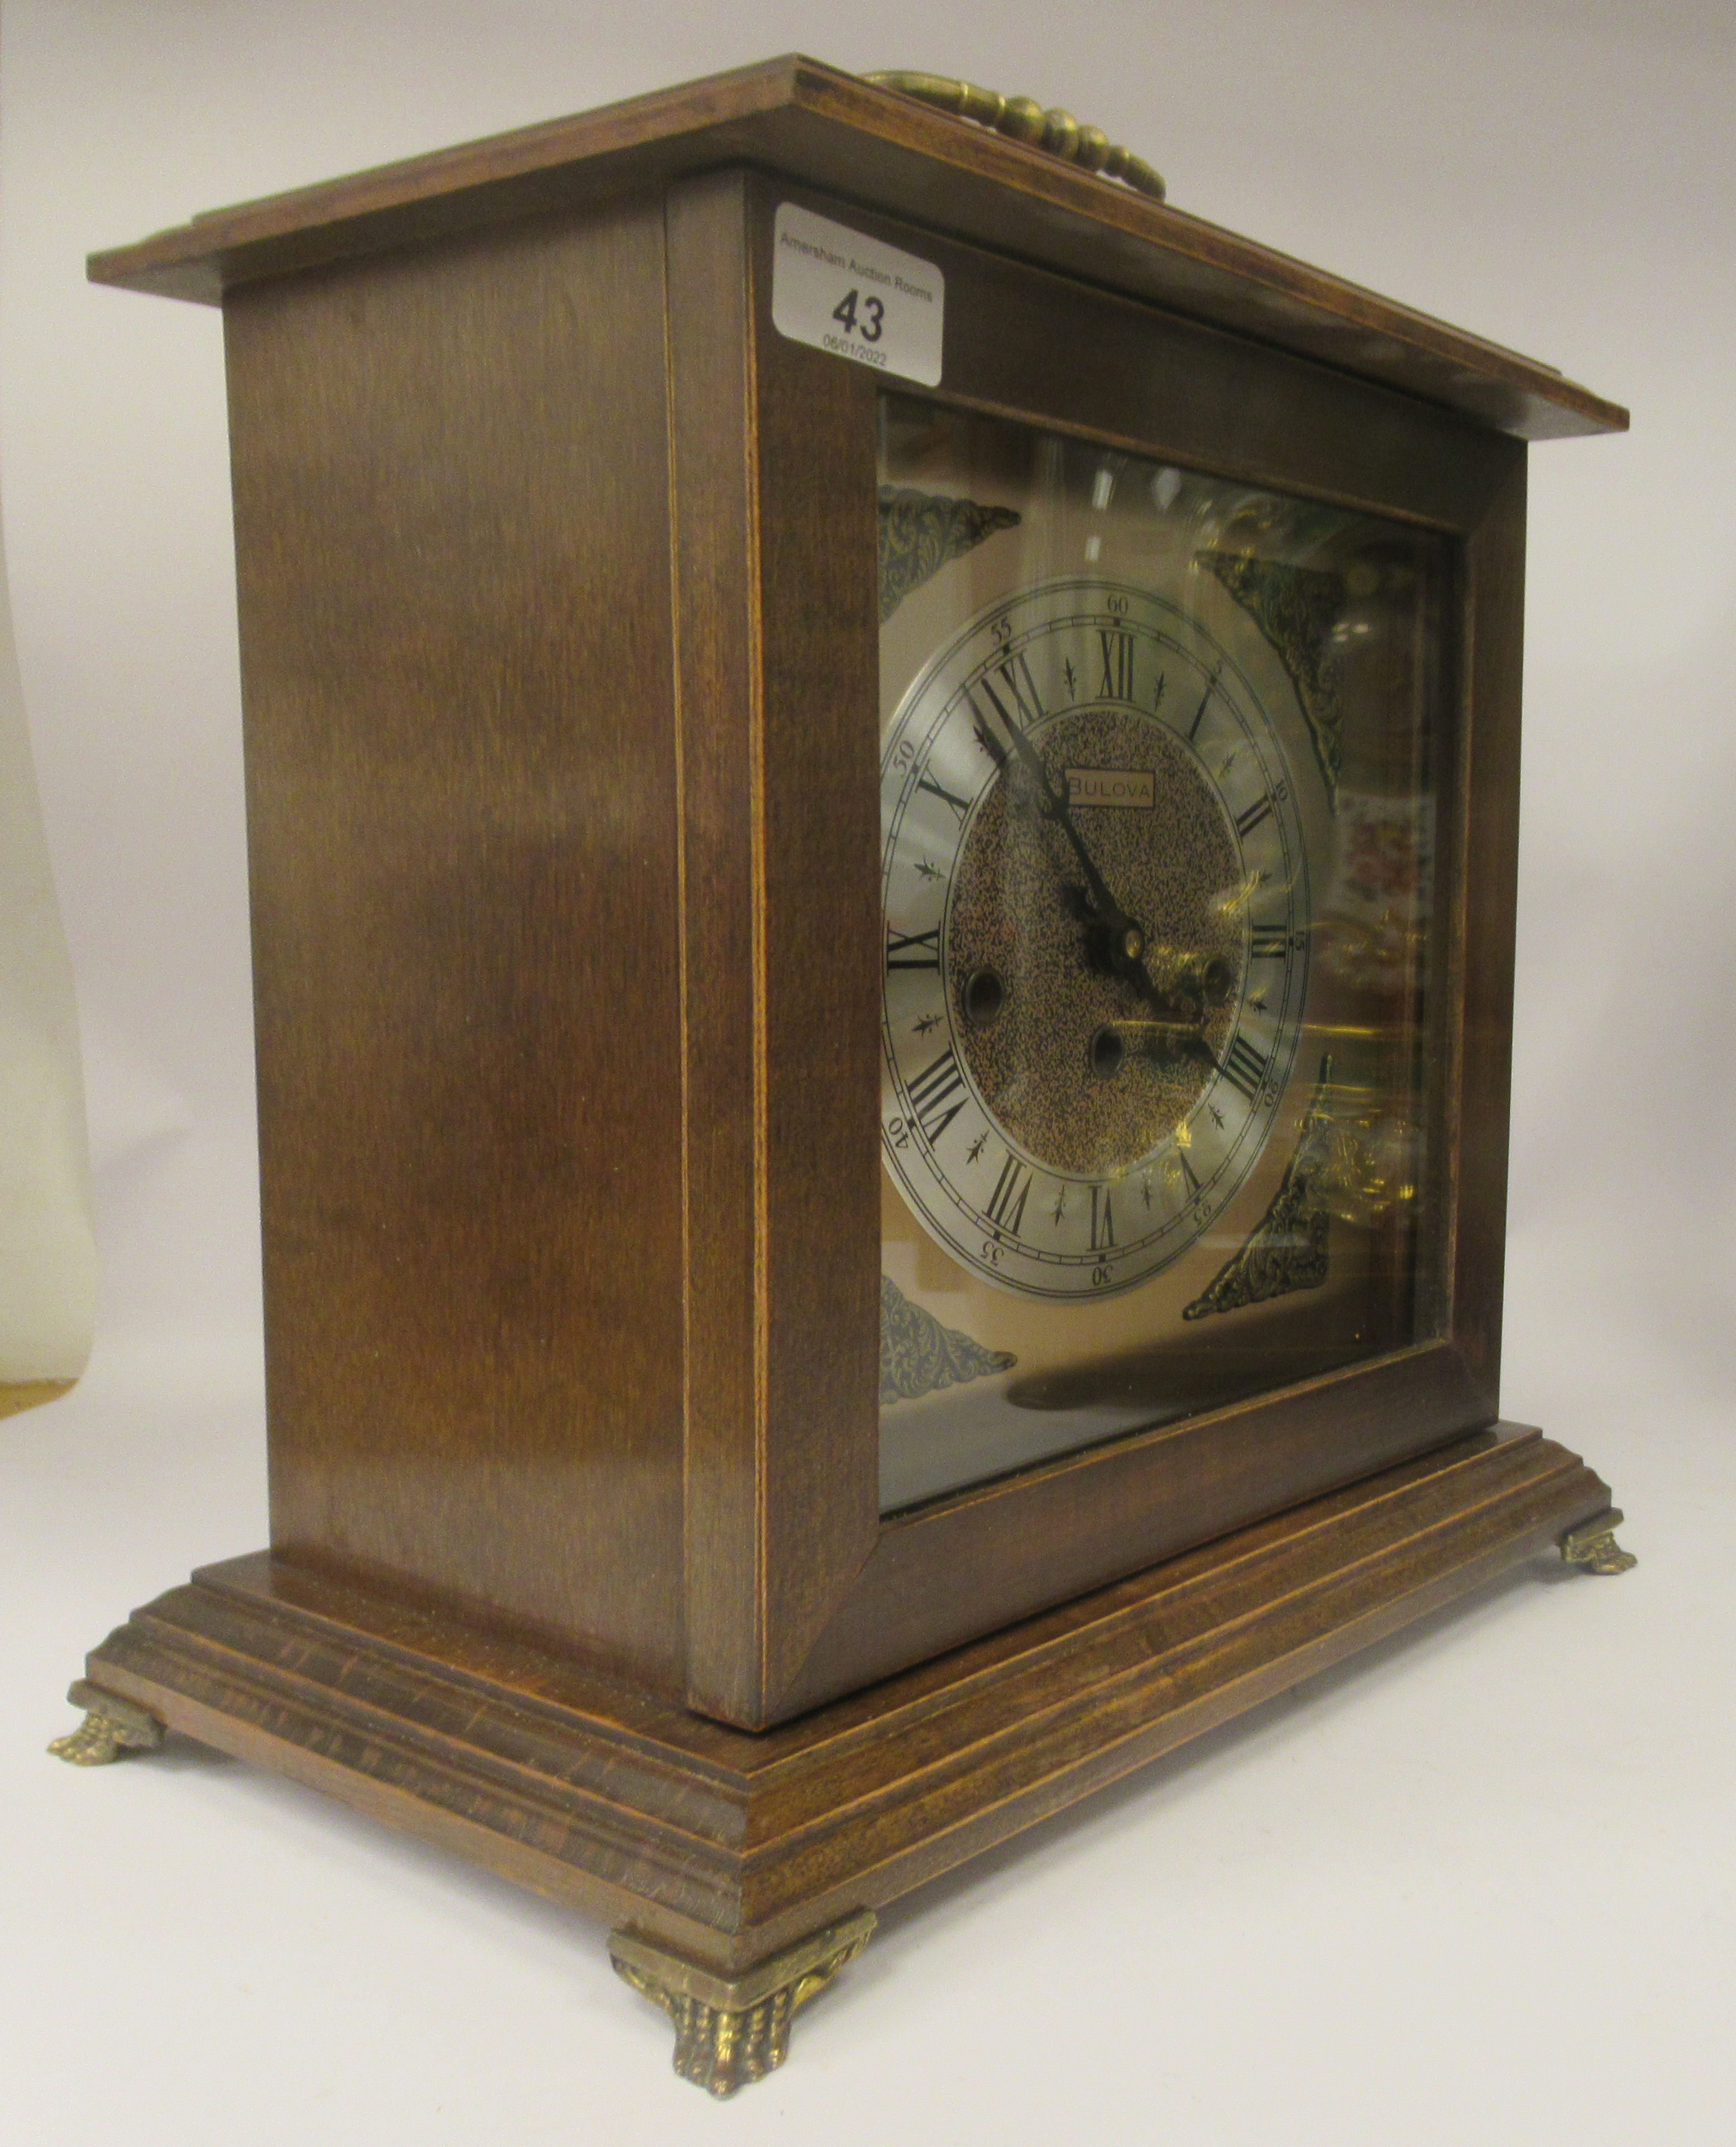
(718, 1850)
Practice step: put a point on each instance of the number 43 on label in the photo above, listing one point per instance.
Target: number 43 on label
(856, 296)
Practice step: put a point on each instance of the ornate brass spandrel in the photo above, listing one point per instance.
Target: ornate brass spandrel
(920, 531)
(1023, 119)
(1290, 1249)
(732, 2030)
(1352, 1162)
(919, 1355)
(1296, 609)
(112, 1728)
(1593, 1544)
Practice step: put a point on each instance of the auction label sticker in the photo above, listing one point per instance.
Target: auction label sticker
(857, 298)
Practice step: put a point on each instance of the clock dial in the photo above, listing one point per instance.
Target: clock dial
(1096, 898)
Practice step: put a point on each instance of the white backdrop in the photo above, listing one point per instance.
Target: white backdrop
(1475, 1888)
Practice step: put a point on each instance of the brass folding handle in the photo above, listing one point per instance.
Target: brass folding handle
(1024, 120)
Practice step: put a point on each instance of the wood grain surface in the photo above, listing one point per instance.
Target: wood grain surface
(1483, 903)
(455, 608)
(728, 1845)
(832, 131)
(774, 506)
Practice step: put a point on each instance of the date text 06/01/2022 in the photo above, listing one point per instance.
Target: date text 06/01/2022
(855, 350)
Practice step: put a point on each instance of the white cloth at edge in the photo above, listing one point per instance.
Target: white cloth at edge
(48, 1252)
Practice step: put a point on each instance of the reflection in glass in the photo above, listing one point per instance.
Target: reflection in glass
(1156, 808)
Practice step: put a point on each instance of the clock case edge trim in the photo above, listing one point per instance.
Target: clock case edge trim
(796, 1590)
(728, 1844)
(835, 132)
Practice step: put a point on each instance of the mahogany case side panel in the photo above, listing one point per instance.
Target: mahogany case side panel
(450, 487)
(774, 490)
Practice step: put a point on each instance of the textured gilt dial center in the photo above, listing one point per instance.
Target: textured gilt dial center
(1080, 1065)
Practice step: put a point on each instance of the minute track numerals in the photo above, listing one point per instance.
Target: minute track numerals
(1096, 903)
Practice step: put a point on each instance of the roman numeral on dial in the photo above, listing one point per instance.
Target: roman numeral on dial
(1247, 821)
(1006, 1207)
(1268, 942)
(1102, 1219)
(938, 1095)
(1245, 1068)
(1021, 688)
(1117, 682)
(898, 944)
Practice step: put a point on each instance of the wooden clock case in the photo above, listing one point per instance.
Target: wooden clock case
(556, 580)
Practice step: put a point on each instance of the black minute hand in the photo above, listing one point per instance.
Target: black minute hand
(1056, 805)
(1125, 939)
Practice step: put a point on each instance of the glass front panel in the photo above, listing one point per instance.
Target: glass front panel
(1157, 808)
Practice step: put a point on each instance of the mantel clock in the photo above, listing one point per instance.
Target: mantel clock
(882, 787)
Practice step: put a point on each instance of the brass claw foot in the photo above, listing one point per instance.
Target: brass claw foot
(1593, 1544)
(111, 1727)
(729, 2031)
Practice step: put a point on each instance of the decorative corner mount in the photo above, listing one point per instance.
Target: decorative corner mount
(732, 2030)
(111, 1729)
(1593, 1544)
(1023, 119)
